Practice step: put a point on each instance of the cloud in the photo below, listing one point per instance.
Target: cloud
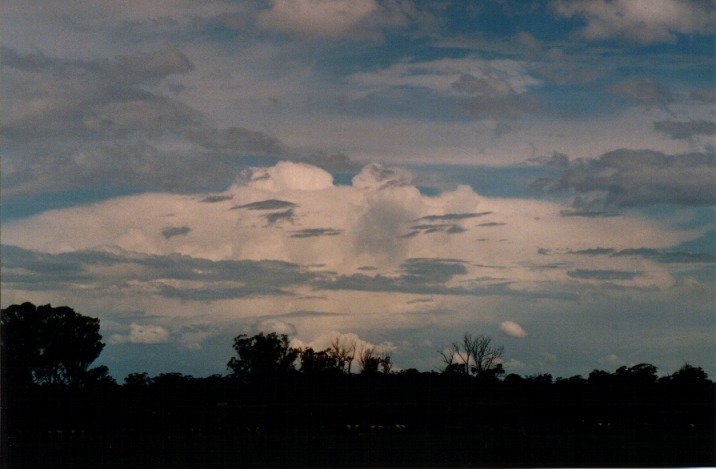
(318, 18)
(705, 95)
(513, 329)
(172, 231)
(275, 325)
(314, 232)
(642, 91)
(687, 129)
(602, 274)
(169, 276)
(671, 256)
(232, 261)
(271, 204)
(141, 334)
(493, 97)
(375, 176)
(234, 271)
(627, 178)
(496, 89)
(287, 176)
(641, 22)
(79, 123)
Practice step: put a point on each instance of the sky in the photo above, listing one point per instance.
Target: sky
(390, 172)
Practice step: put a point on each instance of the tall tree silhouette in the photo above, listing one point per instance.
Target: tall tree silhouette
(49, 346)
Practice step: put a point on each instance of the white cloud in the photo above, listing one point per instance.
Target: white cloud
(379, 224)
(142, 334)
(513, 329)
(643, 21)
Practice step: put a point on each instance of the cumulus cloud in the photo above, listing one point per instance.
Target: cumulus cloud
(141, 334)
(413, 243)
(643, 22)
(513, 329)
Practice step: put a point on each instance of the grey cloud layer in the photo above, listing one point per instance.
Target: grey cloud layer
(626, 178)
(687, 129)
(28, 269)
(71, 123)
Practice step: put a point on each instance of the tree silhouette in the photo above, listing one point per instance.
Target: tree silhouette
(50, 346)
(262, 355)
(689, 375)
(372, 362)
(313, 362)
(474, 355)
(344, 352)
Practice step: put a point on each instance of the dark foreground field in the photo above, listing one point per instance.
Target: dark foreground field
(386, 420)
(336, 449)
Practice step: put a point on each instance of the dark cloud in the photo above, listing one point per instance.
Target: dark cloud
(587, 213)
(307, 314)
(449, 228)
(658, 255)
(287, 215)
(26, 269)
(315, 232)
(80, 123)
(212, 199)
(171, 231)
(627, 178)
(602, 274)
(685, 130)
(432, 270)
(222, 293)
(453, 216)
(332, 162)
(558, 160)
(642, 91)
(270, 204)
(408, 284)
(234, 139)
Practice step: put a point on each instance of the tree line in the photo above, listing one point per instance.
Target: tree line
(279, 406)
